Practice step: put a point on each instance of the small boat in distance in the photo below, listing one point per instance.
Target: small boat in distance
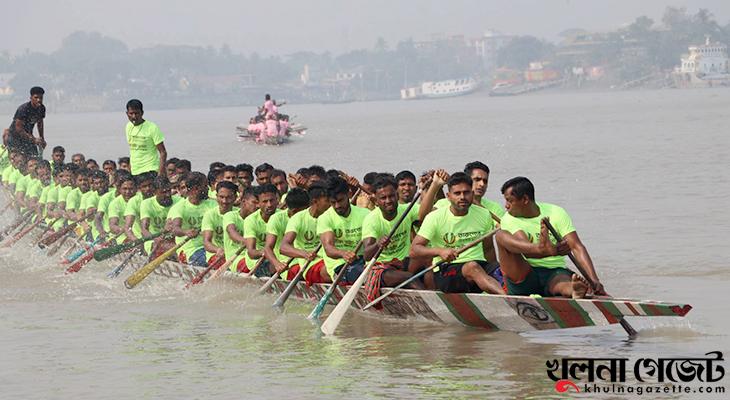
(439, 89)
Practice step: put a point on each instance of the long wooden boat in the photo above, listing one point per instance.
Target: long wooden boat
(485, 311)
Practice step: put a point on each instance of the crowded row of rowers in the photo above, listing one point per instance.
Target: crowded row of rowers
(320, 221)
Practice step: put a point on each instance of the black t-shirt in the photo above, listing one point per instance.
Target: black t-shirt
(30, 116)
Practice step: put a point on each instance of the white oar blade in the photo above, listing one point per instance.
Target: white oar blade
(333, 320)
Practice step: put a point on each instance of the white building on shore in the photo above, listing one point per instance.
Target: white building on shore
(706, 65)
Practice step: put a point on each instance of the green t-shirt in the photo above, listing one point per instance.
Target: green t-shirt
(116, 210)
(132, 209)
(90, 200)
(213, 221)
(35, 189)
(143, 140)
(157, 214)
(61, 197)
(347, 232)
(15, 175)
(103, 207)
(192, 218)
(4, 157)
(559, 219)
(7, 171)
(305, 226)
(234, 218)
(277, 227)
(376, 226)
(22, 184)
(445, 230)
(73, 199)
(254, 226)
(490, 205)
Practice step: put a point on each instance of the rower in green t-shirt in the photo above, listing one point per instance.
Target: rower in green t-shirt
(186, 219)
(37, 186)
(21, 187)
(116, 208)
(392, 265)
(447, 229)
(132, 228)
(146, 143)
(531, 259)
(212, 224)
(254, 227)
(153, 214)
(297, 200)
(301, 240)
(73, 210)
(233, 223)
(340, 230)
(90, 201)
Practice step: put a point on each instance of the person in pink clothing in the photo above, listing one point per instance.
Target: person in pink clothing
(269, 107)
(272, 126)
(284, 126)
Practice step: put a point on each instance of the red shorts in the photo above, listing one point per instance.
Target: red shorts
(241, 267)
(214, 260)
(292, 272)
(314, 274)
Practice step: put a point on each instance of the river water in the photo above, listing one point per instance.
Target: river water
(644, 174)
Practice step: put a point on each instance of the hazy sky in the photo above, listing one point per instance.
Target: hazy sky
(280, 27)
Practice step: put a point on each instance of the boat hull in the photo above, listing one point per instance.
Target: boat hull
(479, 310)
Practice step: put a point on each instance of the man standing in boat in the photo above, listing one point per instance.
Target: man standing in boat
(146, 143)
(28, 115)
(532, 261)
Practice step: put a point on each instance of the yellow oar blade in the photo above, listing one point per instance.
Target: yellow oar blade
(143, 272)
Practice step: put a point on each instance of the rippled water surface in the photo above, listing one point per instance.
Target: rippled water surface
(643, 174)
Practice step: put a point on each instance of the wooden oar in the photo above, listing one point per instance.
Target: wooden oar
(624, 324)
(119, 268)
(111, 251)
(293, 284)
(495, 217)
(254, 268)
(21, 218)
(90, 255)
(323, 301)
(143, 272)
(22, 233)
(199, 278)
(228, 263)
(68, 228)
(270, 282)
(333, 320)
(431, 268)
(84, 248)
(49, 228)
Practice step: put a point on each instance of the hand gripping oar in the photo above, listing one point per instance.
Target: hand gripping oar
(142, 273)
(49, 228)
(624, 324)
(431, 268)
(333, 320)
(270, 282)
(199, 278)
(293, 284)
(323, 301)
(111, 251)
(218, 272)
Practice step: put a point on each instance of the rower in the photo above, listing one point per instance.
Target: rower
(187, 217)
(301, 240)
(233, 223)
(297, 199)
(145, 189)
(245, 177)
(278, 179)
(340, 230)
(183, 167)
(532, 261)
(479, 174)
(263, 173)
(90, 200)
(391, 266)
(73, 200)
(449, 228)
(115, 212)
(123, 163)
(364, 199)
(212, 224)
(406, 181)
(110, 168)
(101, 220)
(79, 160)
(170, 167)
(92, 165)
(67, 185)
(58, 156)
(153, 213)
(254, 227)
(36, 186)
(21, 186)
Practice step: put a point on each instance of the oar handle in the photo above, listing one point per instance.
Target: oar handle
(273, 278)
(228, 263)
(111, 251)
(330, 290)
(397, 224)
(559, 238)
(143, 272)
(293, 284)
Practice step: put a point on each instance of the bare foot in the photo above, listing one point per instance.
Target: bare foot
(580, 287)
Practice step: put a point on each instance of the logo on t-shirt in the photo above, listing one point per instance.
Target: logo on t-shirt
(308, 236)
(449, 238)
(338, 233)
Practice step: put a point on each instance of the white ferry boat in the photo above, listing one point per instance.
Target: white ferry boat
(706, 65)
(438, 89)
